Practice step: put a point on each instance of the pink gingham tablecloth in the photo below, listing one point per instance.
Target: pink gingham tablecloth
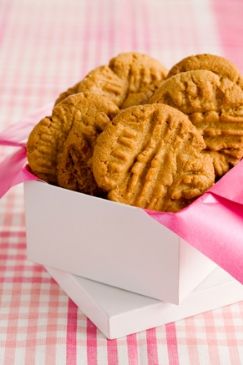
(46, 46)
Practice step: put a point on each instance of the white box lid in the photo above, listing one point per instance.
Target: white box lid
(118, 312)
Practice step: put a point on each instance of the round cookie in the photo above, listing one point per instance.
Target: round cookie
(214, 105)
(216, 64)
(150, 156)
(59, 147)
(143, 74)
(130, 78)
(102, 81)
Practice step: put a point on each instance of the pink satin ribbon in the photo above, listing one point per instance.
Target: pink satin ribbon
(13, 168)
(213, 223)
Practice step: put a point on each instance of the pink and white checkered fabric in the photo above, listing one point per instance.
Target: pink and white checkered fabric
(46, 46)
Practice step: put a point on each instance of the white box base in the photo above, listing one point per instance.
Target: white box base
(112, 243)
(117, 312)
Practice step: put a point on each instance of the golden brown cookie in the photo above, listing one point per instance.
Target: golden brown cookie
(142, 96)
(142, 73)
(130, 78)
(60, 146)
(216, 64)
(102, 81)
(214, 105)
(150, 156)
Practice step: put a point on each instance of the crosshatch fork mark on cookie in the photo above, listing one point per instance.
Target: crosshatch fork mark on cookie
(214, 104)
(60, 146)
(129, 79)
(162, 168)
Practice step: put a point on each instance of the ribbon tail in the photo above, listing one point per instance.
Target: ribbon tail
(17, 134)
(13, 171)
(214, 226)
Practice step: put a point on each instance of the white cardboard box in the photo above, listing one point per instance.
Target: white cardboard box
(118, 312)
(109, 242)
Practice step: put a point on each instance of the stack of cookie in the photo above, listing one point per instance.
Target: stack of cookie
(134, 133)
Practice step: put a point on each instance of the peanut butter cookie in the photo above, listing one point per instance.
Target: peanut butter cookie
(102, 81)
(130, 78)
(216, 64)
(142, 73)
(60, 146)
(150, 156)
(214, 104)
